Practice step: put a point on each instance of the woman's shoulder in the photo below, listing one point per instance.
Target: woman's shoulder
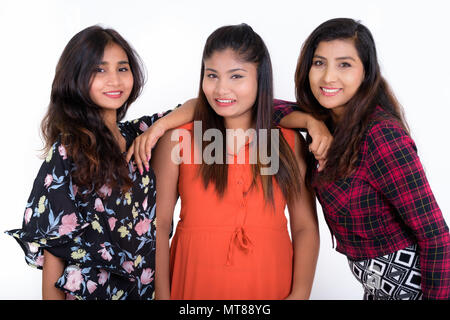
(386, 132)
(291, 135)
(58, 153)
(187, 126)
(288, 133)
(383, 124)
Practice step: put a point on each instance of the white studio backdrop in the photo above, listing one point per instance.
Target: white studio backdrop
(413, 49)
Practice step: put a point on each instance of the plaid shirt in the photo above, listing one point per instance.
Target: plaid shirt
(386, 204)
(281, 109)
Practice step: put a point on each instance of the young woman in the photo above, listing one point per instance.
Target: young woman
(89, 221)
(373, 190)
(232, 240)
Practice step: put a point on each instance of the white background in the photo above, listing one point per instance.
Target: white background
(411, 37)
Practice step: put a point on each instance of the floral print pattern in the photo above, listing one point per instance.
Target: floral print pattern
(106, 238)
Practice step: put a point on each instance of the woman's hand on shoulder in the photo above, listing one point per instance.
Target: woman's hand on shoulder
(142, 146)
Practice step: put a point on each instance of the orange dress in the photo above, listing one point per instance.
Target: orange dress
(235, 247)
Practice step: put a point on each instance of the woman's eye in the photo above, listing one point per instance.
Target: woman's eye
(211, 75)
(124, 69)
(236, 76)
(345, 65)
(98, 69)
(317, 63)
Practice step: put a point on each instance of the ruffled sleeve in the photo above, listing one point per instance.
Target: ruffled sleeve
(51, 219)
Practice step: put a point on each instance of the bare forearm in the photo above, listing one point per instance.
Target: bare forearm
(179, 116)
(306, 250)
(296, 119)
(162, 276)
(53, 269)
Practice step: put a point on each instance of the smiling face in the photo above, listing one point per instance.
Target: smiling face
(336, 74)
(112, 81)
(230, 86)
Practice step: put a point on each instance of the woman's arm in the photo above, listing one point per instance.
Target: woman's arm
(166, 172)
(321, 137)
(304, 232)
(52, 270)
(143, 144)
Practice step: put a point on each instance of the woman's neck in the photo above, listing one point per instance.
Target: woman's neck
(337, 115)
(237, 135)
(110, 120)
(243, 123)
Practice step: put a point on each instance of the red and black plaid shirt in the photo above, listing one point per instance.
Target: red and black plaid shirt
(387, 204)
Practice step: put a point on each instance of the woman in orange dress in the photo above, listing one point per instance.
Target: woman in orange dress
(232, 240)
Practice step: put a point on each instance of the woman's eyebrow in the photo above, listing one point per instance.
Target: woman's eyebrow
(345, 58)
(339, 58)
(120, 62)
(236, 69)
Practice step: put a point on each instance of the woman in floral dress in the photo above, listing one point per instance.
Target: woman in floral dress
(90, 219)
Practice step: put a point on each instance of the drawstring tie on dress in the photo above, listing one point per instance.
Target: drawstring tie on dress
(243, 243)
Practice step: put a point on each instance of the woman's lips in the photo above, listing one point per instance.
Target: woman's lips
(113, 94)
(225, 102)
(329, 92)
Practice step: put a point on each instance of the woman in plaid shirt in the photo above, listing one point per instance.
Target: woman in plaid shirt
(373, 190)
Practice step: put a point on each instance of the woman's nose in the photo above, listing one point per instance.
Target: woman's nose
(113, 78)
(221, 88)
(330, 75)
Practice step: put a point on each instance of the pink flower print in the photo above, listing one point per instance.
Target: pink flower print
(74, 280)
(28, 214)
(48, 180)
(91, 286)
(40, 260)
(146, 276)
(102, 277)
(142, 226)
(99, 205)
(160, 114)
(143, 126)
(112, 223)
(105, 253)
(62, 152)
(105, 191)
(128, 266)
(33, 247)
(68, 225)
(144, 204)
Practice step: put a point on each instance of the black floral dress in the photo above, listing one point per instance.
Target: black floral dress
(106, 238)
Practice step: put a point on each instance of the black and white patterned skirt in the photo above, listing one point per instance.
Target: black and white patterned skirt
(395, 276)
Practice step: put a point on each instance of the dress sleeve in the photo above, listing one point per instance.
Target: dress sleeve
(281, 109)
(134, 128)
(395, 170)
(51, 217)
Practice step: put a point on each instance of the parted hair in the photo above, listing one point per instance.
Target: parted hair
(374, 91)
(251, 48)
(74, 118)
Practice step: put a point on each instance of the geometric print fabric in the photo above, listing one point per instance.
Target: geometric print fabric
(395, 276)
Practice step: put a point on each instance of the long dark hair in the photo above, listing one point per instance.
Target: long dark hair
(251, 48)
(374, 91)
(73, 117)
